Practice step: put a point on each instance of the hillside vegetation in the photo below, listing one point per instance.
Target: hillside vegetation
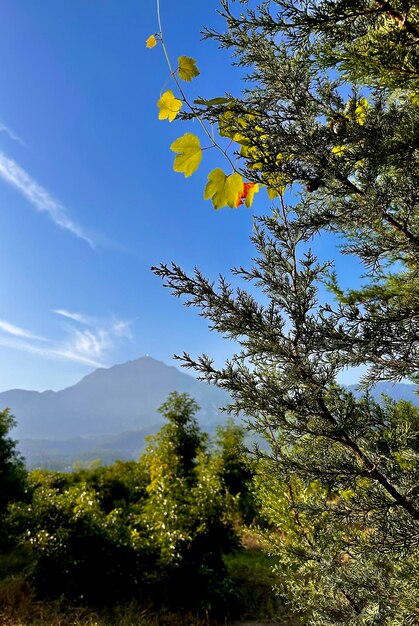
(156, 541)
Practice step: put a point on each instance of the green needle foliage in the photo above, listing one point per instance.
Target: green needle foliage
(331, 111)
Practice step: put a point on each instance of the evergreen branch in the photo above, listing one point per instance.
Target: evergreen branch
(371, 467)
(401, 21)
(388, 217)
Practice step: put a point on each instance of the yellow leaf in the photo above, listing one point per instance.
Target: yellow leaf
(247, 194)
(356, 109)
(414, 98)
(226, 123)
(276, 185)
(283, 158)
(338, 150)
(251, 190)
(190, 154)
(361, 111)
(187, 69)
(223, 190)
(151, 42)
(169, 106)
(275, 192)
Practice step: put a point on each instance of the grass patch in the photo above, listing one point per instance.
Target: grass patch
(19, 606)
(250, 569)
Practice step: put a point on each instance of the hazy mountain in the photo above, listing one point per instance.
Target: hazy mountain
(62, 454)
(108, 402)
(397, 391)
(108, 413)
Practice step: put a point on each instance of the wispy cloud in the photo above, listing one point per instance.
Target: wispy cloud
(77, 317)
(39, 197)
(89, 344)
(8, 131)
(93, 344)
(16, 331)
(48, 353)
(98, 338)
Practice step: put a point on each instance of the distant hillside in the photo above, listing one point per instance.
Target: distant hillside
(108, 413)
(397, 391)
(108, 401)
(62, 454)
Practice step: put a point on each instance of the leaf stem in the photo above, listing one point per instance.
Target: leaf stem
(184, 98)
(162, 40)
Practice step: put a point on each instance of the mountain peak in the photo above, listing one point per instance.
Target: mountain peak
(120, 398)
(141, 366)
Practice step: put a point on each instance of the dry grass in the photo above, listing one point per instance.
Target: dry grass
(20, 607)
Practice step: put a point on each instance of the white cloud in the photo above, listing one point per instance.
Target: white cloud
(121, 328)
(8, 131)
(88, 343)
(77, 317)
(16, 331)
(79, 358)
(92, 346)
(99, 339)
(39, 197)
(49, 353)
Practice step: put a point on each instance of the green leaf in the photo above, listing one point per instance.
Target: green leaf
(187, 69)
(169, 106)
(213, 101)
(222, 189)
(190, 154)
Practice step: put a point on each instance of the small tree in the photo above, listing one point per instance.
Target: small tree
(181, 437)
(237, 468)
(12, 469)
(185, 515)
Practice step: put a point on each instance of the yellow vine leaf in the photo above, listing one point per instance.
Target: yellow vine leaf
(338, 150)
(169, 106)
(361, 111)
(276, 185)
(226, 123)
(190, 154)
(222, 189)
(248, 193)
(187, 69)
(414, 98)
(251, 194)
(275, 192)
(151, 42)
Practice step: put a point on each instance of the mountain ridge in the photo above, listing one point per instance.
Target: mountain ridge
(108, 413)
(123, 397)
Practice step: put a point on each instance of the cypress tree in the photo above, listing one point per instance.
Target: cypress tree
(330, 113)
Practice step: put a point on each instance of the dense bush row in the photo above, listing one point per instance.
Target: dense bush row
(154, 530)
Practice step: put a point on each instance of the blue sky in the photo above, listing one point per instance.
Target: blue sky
(88, 197)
